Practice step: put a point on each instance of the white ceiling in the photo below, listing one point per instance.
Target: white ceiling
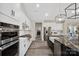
(38, 14)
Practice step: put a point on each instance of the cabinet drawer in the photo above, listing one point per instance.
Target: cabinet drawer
(51, 45)
(66, 51)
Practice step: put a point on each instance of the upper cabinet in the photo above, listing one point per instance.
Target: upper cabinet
(8, 13)
(12, 13)
(6, 8)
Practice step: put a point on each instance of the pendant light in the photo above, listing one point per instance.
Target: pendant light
(72, 11)
(60, 17)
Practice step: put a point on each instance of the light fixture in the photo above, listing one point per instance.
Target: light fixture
(37, 5)
(12, 12)
(77, 10)
(60, 19)
(73, 11)
(46, 14)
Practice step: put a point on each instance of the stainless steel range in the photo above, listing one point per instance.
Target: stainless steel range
(8, 38)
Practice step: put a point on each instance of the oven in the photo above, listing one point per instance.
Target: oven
(9, 42)
(8, 37)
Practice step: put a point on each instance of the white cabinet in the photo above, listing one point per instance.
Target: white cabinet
(22, 46)
(6, 13)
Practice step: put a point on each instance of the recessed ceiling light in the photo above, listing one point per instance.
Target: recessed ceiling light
(37, 5)
(60, 19)
(46, 14)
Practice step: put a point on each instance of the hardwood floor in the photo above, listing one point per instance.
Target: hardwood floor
(39, 48)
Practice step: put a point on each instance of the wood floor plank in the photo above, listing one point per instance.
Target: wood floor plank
(39, 48)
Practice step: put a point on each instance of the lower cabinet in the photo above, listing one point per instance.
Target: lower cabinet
(66, 51)
(57, 48)
(51, 45)
(22, 45)
(60, 49)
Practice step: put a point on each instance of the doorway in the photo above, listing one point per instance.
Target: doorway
(38, 30)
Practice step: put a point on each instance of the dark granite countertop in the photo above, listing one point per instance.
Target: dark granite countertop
(26, 35)
(68, 43)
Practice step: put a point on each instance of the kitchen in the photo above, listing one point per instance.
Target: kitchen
(22, 24)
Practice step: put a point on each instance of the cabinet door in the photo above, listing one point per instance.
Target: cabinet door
(22, 49)
(72, 52)
(51, 45)
(57, 48)
(63, 50)
(66, 51)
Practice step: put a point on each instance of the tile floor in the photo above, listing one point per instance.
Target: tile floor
(39, 48)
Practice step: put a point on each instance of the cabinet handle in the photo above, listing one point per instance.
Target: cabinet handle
(24, 45)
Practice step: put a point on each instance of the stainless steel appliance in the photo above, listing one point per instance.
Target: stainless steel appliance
(8, 38)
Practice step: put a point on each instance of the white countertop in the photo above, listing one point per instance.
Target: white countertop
(53, 38)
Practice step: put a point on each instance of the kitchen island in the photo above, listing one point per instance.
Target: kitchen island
(62, 46)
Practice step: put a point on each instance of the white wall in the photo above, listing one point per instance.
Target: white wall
(33, 30)
(58, 27)
(18, 19)
(53, 25)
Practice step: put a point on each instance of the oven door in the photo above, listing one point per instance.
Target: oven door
(8, 37)
(10, 49)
